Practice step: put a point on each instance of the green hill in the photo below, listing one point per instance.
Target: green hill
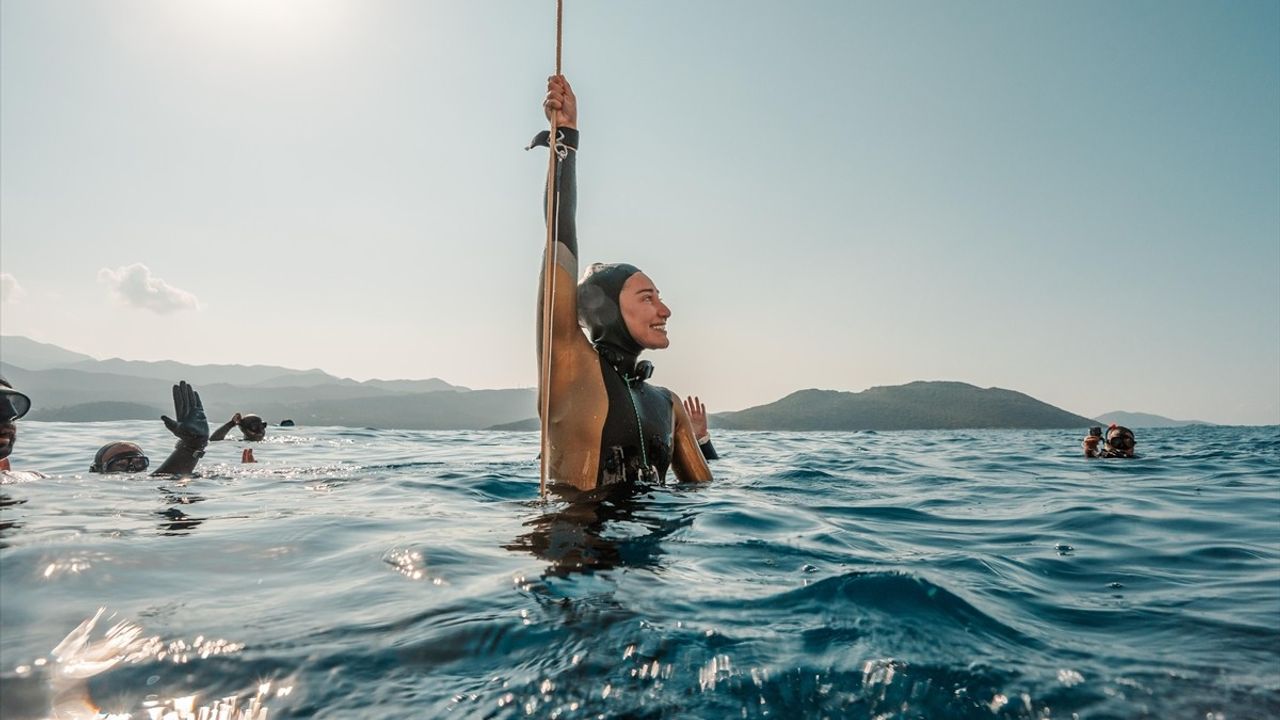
(914, 406)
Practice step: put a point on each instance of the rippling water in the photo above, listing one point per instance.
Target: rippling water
(377, 574)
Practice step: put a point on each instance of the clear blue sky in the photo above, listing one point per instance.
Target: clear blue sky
(1077, 200)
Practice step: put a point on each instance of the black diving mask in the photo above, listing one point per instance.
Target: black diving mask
(13, 405)
(124, 462)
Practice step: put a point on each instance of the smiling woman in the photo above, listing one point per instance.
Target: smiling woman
(605, 423)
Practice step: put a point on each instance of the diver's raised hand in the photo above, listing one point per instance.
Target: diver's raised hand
(560, 104)
(190, 426)
(697, 416)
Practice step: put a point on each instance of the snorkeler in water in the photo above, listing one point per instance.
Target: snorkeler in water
(1119, 442)
(252, 427)
(607, 423)
(189, 425)
(13, 405)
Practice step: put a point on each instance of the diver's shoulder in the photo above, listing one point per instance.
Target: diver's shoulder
(665, 391)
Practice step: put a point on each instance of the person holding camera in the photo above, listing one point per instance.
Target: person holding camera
(1119, 442)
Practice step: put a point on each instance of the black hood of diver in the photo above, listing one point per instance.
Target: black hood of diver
(600, 314)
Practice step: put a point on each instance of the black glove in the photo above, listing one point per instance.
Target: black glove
(191, 428)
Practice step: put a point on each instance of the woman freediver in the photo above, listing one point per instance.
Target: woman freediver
(606, 423)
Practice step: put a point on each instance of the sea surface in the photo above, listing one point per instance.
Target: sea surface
(359, 573)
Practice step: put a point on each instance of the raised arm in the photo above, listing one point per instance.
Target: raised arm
(191, 428)
(687, 459)
(561, 106)
(221, 432)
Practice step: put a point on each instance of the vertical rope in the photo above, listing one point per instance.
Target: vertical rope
(549, 265)
(559, 31)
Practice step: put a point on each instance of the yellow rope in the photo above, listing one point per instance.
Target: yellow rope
(549, 275)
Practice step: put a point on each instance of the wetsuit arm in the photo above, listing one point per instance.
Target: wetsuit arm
(181, 461)
(687, 459)
(563, 218)
(708, 450)
(190, 426)
(221, 432)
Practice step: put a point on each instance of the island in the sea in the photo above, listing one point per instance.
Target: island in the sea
(918, 405)
(1144, 420)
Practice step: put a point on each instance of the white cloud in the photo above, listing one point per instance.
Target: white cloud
(10, 290)
(134, 286)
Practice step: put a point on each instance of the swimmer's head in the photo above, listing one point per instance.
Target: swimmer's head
(253, 427)
(1120, 440)
(117, 457)
(620, 308)
(13, 405)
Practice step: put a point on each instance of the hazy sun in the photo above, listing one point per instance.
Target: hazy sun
(279, 25)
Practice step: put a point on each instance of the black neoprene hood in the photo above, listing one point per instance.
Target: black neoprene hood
(600, 311)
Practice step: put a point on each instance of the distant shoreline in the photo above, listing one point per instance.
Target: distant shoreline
(66, 386)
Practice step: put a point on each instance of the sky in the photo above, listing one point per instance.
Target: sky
(1076, 200)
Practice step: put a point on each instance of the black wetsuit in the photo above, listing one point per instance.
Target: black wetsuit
(639, 427)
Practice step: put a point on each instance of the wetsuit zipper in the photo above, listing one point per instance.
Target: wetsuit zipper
(644, 454)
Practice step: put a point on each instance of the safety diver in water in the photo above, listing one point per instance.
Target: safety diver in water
(189, 425)
(607, 423)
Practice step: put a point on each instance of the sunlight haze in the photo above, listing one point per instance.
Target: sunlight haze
(1078, 201)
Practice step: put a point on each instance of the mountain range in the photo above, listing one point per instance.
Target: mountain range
(71, 386)
(1144, 420)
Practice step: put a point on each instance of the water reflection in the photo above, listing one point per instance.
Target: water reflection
(7, 525)
(176, 520)
(58, 685)
(599, 530)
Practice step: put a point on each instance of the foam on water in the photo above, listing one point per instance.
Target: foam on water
(368, 573)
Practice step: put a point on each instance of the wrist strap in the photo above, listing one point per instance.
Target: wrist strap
(565, 137)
